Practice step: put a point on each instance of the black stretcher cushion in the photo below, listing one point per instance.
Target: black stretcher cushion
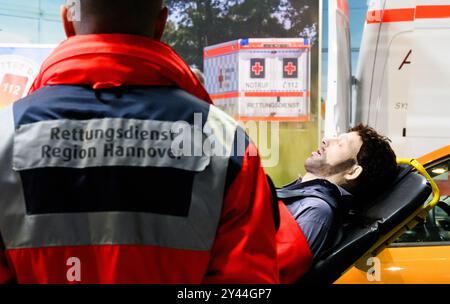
(407, 194)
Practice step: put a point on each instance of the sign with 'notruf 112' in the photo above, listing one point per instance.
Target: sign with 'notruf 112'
(260, 79)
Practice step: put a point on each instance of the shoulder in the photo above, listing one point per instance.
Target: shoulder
(312, 209)
(80, 102)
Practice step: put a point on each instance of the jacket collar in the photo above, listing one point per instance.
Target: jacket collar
(114, 60)
(333, 194)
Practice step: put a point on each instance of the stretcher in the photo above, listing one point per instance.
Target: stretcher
(400, 208)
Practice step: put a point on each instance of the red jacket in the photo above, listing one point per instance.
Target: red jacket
(294, 254)
(86, 199)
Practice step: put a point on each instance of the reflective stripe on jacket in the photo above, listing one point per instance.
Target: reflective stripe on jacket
(93, 192)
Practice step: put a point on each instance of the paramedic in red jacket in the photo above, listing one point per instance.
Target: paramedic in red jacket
(94, 191)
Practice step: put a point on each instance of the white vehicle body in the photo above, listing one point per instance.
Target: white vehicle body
(260, 79)
(402, 84)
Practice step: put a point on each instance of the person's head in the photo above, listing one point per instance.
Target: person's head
(358, 161)
(134, 17)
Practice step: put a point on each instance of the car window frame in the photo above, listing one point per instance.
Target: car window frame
(425, 243)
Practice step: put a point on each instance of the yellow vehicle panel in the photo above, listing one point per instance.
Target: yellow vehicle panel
(420, 261)
(412, 265)
(435, 155)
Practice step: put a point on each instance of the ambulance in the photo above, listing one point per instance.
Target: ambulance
(260, 79)
(402, 83)
(401, 88)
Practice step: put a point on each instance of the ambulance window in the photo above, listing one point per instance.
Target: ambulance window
(436, 228)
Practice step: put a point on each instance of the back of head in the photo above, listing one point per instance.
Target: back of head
(136, 17)
(378, 161)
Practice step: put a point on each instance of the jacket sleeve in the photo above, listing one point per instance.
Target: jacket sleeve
(245, 250)
(294, 255)
(315, 220)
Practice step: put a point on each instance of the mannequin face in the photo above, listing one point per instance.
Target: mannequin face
(336, 157)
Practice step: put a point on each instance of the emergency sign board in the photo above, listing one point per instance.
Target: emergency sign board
(290, 67)
(260, 79)
(258, 68)
(19, 66)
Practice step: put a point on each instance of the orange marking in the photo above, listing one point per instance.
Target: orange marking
(223, 50)
(262, 118)
(408, 14)
(390, 15)
(259, 94)
(232, 48)
(343, 6)
(435, 155)
(274, 45)
(274, 94)
(225, 95)
(433, 12)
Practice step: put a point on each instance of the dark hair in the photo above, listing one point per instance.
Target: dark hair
(125, 17)
(377, 159)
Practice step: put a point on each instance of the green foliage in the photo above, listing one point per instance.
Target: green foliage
(196, 24)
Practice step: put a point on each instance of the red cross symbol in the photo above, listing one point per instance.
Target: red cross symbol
(257, 68)
(290, 68)
(221, 78)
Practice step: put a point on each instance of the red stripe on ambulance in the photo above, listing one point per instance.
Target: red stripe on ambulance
(408, 14)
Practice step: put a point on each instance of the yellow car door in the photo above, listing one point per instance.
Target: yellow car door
(421, 255)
